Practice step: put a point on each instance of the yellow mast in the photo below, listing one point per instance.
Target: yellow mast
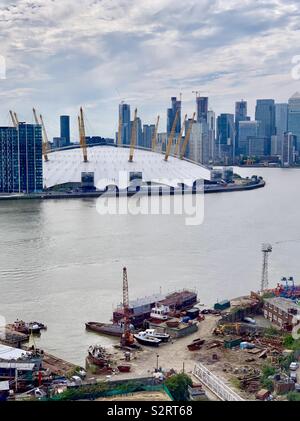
(187, 137)
(177, 147)
(133, 137)
(171, 137)
(82, 136)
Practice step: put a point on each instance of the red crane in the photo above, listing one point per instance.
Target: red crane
(127, 338)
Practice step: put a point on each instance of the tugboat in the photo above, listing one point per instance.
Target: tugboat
(160, 312)
(148, 340)
(27, 328)
(164, 337)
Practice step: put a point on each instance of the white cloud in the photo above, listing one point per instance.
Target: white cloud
(63, 54)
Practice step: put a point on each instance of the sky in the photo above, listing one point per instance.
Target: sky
(63, 54)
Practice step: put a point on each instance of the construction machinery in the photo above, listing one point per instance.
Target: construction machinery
(171, 136)
(127, 338)
(82, 137)
(220, 330)
(133, 137)
(45, 136)
(177, 147)
(187, 137)
(154, 138)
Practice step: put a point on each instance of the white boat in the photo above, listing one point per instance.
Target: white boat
(160, 312)
(164, 337)
(145, 339)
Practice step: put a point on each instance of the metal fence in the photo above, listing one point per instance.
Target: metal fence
(216, 385)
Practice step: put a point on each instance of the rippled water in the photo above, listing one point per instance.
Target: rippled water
(61, 262)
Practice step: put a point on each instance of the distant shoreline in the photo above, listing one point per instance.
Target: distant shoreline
(81, 195)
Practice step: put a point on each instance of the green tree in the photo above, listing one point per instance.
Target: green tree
(178, 386)
(293, 396)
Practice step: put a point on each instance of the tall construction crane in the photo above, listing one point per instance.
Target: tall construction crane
(177, 147)
(154, 138)
(133, 137)
(82, 135)
(45, 139)
(171, 136)
(127, 337)
(187, 137)
(14, 121)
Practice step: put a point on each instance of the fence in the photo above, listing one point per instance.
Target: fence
(217, 386)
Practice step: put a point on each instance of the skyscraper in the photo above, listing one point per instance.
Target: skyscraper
(240, 115)
(288, 149)
(21, 165)
(148, 132)
(171, 113)
(211, 123)
(281, 124)
(250, 143)
(65, 129)
(265, 113)
(202, 108)
(225, 137)
(124, 114)
(294, 117)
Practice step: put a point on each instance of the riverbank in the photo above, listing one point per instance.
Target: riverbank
(154, 192)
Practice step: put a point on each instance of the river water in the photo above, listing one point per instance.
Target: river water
(61, 262)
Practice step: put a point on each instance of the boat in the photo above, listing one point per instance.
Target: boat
(196, 344)
(160, 312)
(27, 328)
(147, 340)
(164, 337)
(173, 323)
(141, 309)
(124, 368)
(111, 329)
(98, 356)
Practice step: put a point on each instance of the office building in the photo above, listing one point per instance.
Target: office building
(198, 150)
(171, 113)
(202, 109)
(225, 137)
(21, 165)
(288, 150)
(265, 113)
(124, 115)
(148, 132)
(247, 130)
(281, 124)
(240, 115)
(211, 124)
(65, 129)
(294, 117)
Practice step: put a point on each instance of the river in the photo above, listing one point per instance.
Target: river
(61, 262)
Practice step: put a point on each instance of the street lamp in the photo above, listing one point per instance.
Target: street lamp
(157, 357)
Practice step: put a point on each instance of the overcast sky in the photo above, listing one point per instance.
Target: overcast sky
(61, 54)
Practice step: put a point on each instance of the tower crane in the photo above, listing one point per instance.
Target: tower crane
(187, 137)
(81, 126)
(127, 337)
(154, 138)
(180, 137)
(45, 139)
(133, 137)
(14, 121)
(171, 136)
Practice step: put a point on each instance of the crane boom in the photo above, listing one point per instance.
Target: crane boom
(177, 147)
(171, 136)
(187, 137)
(82, 135)
(45, 139)
(15, 124)
(154, 138)
(127, 337)
(133, 137)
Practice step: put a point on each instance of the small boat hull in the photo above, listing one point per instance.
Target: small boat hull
(124, 368)
(147, 341)
(105, 328)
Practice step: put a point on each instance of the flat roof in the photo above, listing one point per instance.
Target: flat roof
(283, 303)
(19, 366)
(8, 353)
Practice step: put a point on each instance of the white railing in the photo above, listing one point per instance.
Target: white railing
(216, 385)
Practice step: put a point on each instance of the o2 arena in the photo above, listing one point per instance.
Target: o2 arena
(111, 167)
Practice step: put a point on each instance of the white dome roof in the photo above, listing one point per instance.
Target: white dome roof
(110, 166)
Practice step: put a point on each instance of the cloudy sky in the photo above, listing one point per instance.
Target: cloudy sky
(61, 54)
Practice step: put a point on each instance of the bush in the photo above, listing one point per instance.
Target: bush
(178, 386)
(293, 396)
(83, 392)
(267, 371)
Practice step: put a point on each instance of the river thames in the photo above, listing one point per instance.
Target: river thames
(61, 262)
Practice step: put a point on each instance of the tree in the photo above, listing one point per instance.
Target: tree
(293, 396)
(178, 386)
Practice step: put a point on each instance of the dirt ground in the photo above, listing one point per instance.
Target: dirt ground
(139, 396)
